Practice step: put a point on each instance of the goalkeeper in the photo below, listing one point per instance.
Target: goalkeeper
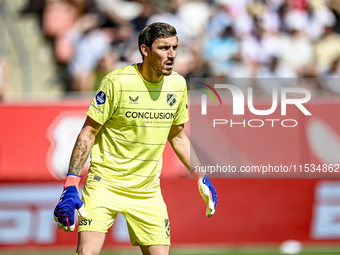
(134, 111)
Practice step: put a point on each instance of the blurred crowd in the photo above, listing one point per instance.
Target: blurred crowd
(217, 38)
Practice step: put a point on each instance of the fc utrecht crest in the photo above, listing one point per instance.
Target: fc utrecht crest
(171, 99)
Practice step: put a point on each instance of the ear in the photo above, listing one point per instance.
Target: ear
(145, 50)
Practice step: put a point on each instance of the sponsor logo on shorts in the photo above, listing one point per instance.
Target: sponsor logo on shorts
(167, 227)
(97, 178)
(85, 222)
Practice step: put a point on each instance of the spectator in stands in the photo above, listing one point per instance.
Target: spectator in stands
(90, 45)
(220, 50)
(334, 6)
(59, 18)
(320, 17)
(295, 48)
(330, 78)
(272, 38)
(276, 69)
(170, 16)
(118, 12)
(258, 48)
(148, 9)
(327, 50)
(272, 72)
(66, 13)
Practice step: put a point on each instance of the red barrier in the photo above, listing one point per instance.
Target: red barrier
(35, 145)
(248, 211)
(24, 144)
(298, 146)
(36, 141)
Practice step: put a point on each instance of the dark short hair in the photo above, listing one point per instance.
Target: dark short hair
(154, 31)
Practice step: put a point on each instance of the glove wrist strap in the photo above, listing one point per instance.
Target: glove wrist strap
(72, 180)
(196, 173)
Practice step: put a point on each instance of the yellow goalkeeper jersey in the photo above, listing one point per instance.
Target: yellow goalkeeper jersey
(136, 116)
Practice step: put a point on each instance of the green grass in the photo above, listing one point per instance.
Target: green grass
(187, 251)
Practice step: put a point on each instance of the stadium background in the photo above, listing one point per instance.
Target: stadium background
(54, 52)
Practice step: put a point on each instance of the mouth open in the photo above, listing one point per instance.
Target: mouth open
(169, 64)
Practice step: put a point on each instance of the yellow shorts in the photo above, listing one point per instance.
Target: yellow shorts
(147, 217)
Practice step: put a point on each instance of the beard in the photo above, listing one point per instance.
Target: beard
(161, 69)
